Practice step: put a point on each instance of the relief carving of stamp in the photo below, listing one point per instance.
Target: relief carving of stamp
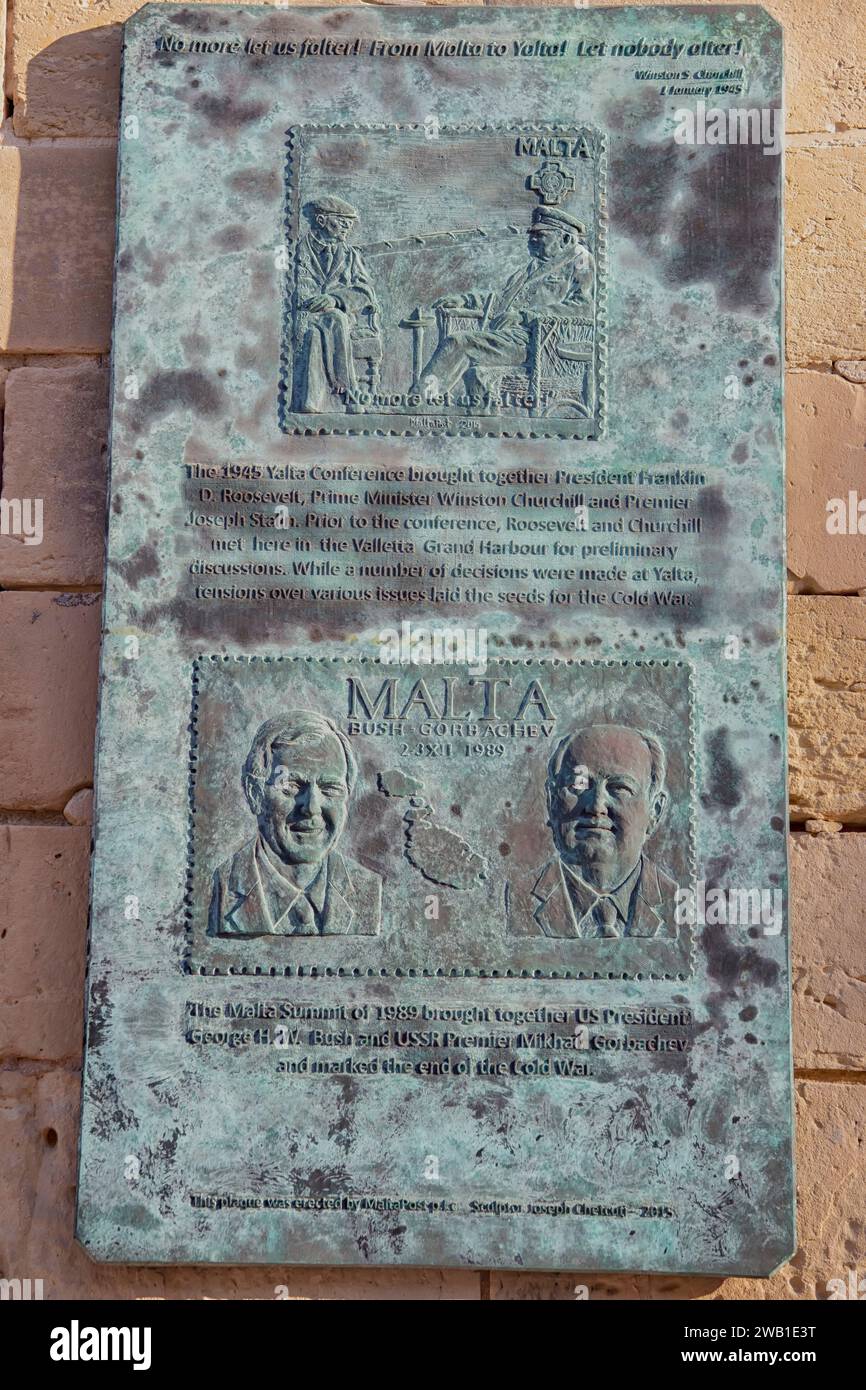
(350, 817)
(445, 281)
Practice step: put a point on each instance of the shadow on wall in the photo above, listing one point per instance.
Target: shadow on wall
(74, 83)
(58, 296)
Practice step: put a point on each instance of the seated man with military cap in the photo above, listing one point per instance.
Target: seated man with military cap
(556, 281)
(335, 304)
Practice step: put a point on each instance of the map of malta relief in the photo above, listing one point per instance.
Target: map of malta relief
(445, 280)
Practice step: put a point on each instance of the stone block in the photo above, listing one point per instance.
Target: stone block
(50, 643)
(55, 450)
(44, 873)
(827, 709)
(56, 247)
(826, 312)
(829, 951)
(826, 438)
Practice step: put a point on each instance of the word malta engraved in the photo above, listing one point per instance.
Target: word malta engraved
(438, 906)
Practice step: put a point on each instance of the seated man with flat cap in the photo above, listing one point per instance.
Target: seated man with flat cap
(335, 304)
(290, 879)
(556, 281)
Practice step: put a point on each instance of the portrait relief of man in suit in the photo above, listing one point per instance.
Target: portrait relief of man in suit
(290, 879)
(605, 793)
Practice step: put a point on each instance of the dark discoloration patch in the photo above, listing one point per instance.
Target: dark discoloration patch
(735, 200)
(641, 209)
(255, 184)
(107, 1111)
(733, 966)
(99, 1014)
(143, 564)
(396, 1236)
(183, 390)
(353, 154)
(76, 600)
(731, 197)
(194, 344)
(716, 511)
(166, 1149)
(233, 238)
(227, 111)
(342, 1128)
(724, 779)
(321, 1182)
(626, 114)
(195, 19)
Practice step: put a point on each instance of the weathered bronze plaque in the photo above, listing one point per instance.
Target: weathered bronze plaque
(440, 880)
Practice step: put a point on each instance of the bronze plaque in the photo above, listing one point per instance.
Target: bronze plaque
(439, 892)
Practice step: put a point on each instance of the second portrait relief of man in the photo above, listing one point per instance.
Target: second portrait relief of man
(605, 793)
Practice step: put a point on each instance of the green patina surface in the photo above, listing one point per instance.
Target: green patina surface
(427, 323)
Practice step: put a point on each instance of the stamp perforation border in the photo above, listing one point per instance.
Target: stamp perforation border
(317, 971)
(601, 255)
